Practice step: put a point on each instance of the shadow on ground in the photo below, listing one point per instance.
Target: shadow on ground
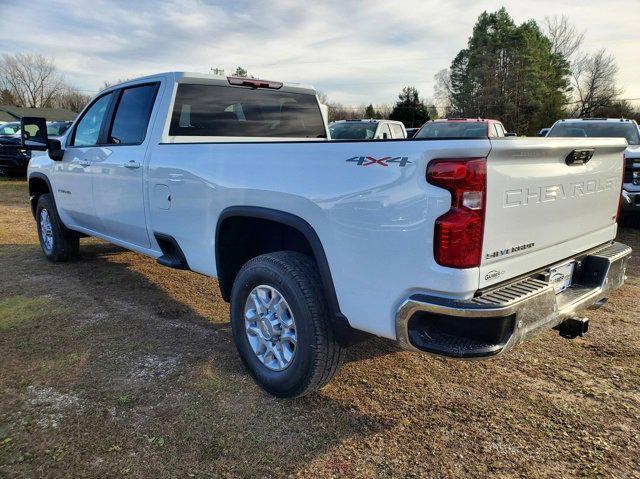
(114, 366)
(115, 359)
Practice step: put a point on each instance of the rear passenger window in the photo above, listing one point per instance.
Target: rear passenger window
(132, 115)
(213, 110)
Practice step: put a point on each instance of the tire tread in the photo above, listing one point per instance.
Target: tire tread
(66, 244)
(329, 355)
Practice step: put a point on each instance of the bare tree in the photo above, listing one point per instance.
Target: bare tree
(565, 38)
(384, 110)
(594, 82)
(109, 83)
(32, 79)
(72, 99)
(593, 75)
(6, 98)
(443, 93)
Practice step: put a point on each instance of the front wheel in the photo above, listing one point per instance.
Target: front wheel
(280, 323)
(57, 241)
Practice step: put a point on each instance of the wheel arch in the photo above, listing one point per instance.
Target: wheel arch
(227, 269)
(39, 184)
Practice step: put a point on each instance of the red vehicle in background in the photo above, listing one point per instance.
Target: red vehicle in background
(463, 128)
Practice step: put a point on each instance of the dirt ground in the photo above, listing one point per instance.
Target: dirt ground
(114, 366)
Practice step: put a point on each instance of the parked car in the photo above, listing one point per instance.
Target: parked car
(57, 128)
(543, 132)
(411, 132)
(462, 128)
(10, 128)
(451, 247)
(611, 128)
(367, 130)
(14, 159)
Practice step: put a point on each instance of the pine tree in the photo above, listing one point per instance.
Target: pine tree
(509, 72)
(409, 109)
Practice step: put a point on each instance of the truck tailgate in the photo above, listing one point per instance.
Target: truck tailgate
(541, 210)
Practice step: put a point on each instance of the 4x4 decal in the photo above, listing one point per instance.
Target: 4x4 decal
(370, 160)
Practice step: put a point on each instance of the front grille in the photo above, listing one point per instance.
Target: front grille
(12, 151)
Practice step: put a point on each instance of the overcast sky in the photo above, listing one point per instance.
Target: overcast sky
(355, 51)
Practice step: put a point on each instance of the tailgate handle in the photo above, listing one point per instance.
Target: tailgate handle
(579, 157)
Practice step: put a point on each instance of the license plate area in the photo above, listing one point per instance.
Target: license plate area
(561, 276)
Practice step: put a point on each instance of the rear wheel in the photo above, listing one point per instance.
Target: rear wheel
(57, 241)
(280, 323)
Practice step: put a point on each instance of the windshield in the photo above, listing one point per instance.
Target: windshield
(602, 129)
(353, 131)
(57, 128)
(10, 129)
(453, 129)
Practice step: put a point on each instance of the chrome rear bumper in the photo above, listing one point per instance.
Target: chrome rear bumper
(499, 319)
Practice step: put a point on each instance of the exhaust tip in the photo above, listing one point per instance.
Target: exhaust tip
(573, 327)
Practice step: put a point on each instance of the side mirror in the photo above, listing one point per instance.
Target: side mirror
(33, 136)
(385, 136)
(510, 133)
(56, 153)
(33, 133)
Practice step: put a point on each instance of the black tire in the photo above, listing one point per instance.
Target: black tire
(318, 355)
(65, 243)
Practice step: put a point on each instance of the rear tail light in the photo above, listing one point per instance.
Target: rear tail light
(254, 83)
(459, 232)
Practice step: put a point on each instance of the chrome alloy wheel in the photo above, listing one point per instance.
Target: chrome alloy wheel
(46, 230)
(270, 327)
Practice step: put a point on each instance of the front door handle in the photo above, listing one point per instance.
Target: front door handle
(132, 165)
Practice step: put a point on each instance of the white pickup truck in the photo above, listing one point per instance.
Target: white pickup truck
(456, 247)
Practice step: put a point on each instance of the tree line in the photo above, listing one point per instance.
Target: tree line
(526, 76)
(33, 81)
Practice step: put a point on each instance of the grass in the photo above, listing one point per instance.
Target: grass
(133, 373)
(16, 311)
(125, 399)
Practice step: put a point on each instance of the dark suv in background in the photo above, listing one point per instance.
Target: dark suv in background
(13, 159)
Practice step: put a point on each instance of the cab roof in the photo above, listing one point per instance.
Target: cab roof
(208, 78)
(471, 120)
(580, 120)
(368, 120)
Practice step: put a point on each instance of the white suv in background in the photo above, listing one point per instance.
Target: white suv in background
(367, 130)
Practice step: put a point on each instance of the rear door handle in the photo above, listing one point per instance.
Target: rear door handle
(132, 165)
